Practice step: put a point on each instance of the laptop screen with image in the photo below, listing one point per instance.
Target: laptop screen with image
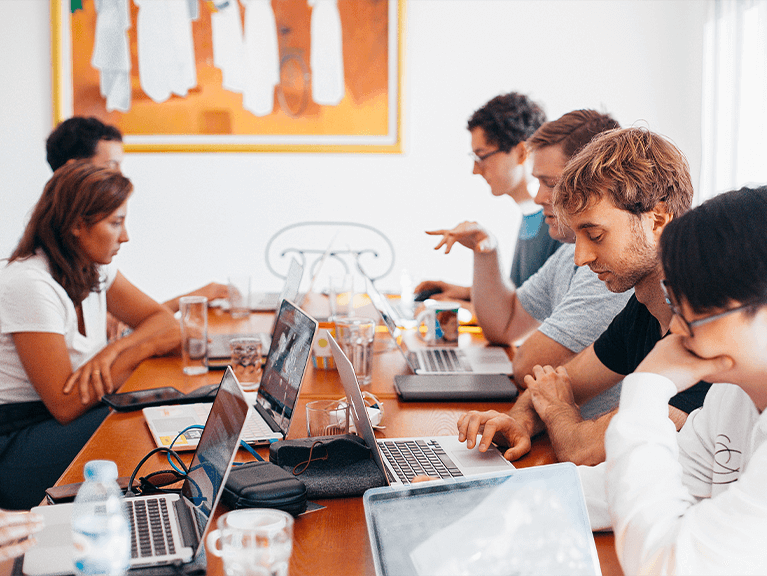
(285, 364)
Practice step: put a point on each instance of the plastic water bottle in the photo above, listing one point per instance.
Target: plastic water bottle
(100, 527)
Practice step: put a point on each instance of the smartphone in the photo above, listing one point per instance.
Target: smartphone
(127, 401)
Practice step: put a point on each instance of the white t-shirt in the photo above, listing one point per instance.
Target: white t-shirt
(32, 301)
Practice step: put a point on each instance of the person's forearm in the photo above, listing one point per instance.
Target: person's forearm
(173, 304)
(156, 335)
(574, 439)
(492, 297)
(524, 412)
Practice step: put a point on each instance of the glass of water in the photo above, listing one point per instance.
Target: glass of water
(355, 336)
(194, 334)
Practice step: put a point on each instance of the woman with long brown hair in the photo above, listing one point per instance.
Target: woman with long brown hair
(55, 362)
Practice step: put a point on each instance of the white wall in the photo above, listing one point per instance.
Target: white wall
(198, 217)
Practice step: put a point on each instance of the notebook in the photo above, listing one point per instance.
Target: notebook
(181, 535)
(269, 418)
(401, 459)
(439, 359)
(487, 518)
(219, 352)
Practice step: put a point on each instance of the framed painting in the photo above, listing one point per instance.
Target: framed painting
(233, 75)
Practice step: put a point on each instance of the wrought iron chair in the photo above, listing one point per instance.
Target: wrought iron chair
(339, 247)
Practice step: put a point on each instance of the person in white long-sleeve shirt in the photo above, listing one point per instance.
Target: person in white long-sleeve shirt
(695, 502)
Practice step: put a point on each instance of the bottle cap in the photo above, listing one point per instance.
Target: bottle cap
(102, 470)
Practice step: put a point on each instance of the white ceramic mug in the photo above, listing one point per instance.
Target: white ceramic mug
(253, 542)
(441, 322)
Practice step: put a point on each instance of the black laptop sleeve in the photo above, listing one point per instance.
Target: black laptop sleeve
(264, 485)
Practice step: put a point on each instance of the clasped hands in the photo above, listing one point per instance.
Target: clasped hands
(94, 378)
(548, 393)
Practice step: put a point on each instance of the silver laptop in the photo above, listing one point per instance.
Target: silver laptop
(219, 352)
(179, 538)
(541, 508)
(401, 459)
(269, 418)
(270, 301)
(424, 359)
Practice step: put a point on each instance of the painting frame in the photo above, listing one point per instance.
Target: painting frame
(390, 142)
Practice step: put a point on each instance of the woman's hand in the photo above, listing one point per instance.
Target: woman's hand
(16, 529)
(93, 377)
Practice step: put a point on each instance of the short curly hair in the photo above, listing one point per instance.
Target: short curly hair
(507, 120)
(77, 138)
(635, 168)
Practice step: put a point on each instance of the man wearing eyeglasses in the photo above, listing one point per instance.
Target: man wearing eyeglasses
(617, 195)
(498, 132)
(562, 308)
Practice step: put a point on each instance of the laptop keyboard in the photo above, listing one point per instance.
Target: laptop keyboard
(409, 458)
(440, 360)
(255, 427)
(151, 533)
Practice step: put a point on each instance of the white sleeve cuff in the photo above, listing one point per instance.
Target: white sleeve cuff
(647, 392)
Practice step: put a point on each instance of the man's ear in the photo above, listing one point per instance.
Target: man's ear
(660, 217)
(522, 152)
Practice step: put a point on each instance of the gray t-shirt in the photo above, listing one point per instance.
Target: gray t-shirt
(572, 304)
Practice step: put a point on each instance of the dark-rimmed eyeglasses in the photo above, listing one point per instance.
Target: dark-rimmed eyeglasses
(689, 325)
(480, 159)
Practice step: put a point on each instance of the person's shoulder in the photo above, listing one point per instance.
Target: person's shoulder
(27, 276)
(564, 256)
(35, 266)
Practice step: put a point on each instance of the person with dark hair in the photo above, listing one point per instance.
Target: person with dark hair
(498, 132)
(55, 293)
(87, 139)
(80, 138)
(695, 502)
(562, 308)
(617, 195)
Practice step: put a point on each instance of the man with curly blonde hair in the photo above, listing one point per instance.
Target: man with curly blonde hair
(617, 195)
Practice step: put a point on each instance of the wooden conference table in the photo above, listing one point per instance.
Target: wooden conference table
(332, 541)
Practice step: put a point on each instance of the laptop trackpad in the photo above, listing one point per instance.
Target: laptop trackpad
(474, 461)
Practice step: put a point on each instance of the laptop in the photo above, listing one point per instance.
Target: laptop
(456, 538)
(424, 359)
(401, 459)
(269, 418)
(455, 387)
(219, 352)
(270, 301)
(158, 541)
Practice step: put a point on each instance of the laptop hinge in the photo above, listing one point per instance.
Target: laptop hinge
(268, 418)
(186, 524)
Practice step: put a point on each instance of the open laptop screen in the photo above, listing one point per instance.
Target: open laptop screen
(285, 364)
(215, 452)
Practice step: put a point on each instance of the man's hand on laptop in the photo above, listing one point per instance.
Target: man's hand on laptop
(470, 234)
(495, 427)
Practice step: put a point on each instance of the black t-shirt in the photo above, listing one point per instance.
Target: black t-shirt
(629, 338)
